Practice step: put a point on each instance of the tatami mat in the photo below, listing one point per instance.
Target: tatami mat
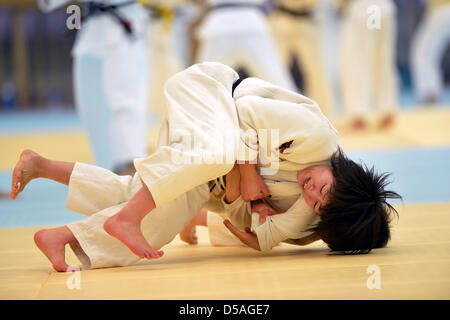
(414, 266)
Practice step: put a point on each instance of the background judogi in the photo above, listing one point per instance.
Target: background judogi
(241, 37)
(428, 47)
(301, 36)
(99, 194)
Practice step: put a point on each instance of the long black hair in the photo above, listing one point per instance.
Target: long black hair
(357, 217)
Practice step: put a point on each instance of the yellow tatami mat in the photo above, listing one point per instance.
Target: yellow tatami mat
(425, 127)
(414, 266)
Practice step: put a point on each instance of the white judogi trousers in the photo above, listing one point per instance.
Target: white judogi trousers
(99, 194)
(163, 63)
(200, 109)
(301, 36)
(241, 37)
(429, 44)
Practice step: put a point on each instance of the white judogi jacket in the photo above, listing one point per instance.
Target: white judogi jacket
(204, 120)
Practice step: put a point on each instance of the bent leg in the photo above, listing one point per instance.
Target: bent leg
(210, 122)
(52, 243)
(97, 249)
(92, 189)
(32, 166)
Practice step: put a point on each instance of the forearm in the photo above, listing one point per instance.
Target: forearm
(247, 168)
(232, 189)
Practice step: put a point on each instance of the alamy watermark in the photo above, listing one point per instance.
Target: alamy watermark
(373, 21)
(374, 280)
(73, 21)
(74, 280)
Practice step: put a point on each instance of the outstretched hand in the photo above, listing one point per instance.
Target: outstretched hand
(246, 237)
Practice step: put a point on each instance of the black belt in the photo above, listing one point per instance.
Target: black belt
(297, 14)
(235, 84)
(235, 5)
(95, 8)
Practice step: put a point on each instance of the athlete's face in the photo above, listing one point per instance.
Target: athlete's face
(316, 182)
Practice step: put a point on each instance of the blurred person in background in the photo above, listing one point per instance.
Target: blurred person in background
(236, 33)
(111, 79)
(298, 29)
(428, 47)
(164, 59)
(367, 63)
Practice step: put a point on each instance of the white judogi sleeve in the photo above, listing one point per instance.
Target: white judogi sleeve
(281, 227)
(308, 134)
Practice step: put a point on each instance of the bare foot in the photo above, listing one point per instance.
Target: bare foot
(3, 194)
(129, 233)
(188, 234)
(386, 122)
(358, 124)
(26, 169)
(52, 243)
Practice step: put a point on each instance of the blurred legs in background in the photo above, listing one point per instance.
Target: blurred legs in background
(110, 86)
(298, 33)
(427, 50)
(239, 36)
(367, 64)
(163, 58)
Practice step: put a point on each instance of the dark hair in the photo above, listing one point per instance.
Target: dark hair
(357, 216)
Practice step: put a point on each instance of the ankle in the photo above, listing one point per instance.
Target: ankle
(42, 167)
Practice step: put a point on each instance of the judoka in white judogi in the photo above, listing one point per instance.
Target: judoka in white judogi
(110, 80)
(203, 92)
(427, 49)
(367, 60)
(298, 32)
